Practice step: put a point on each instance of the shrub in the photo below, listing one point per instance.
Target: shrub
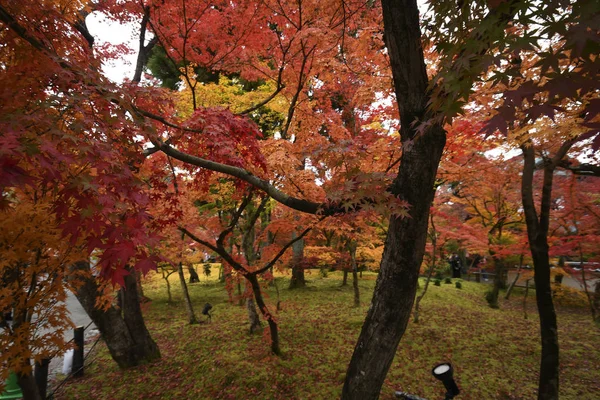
(566, 296)
(458, 284)
(448, 281)
(437, 282)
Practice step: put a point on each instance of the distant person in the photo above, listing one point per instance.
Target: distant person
(455, 266)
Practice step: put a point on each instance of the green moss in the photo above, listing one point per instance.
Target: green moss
(495, 352)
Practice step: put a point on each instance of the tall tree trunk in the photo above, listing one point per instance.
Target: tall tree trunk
(140, 288)
(186, 297)
(144, 346)
(266, 314)
(26, 380)
(537, 232)
(126, 336)
(405, 242)
(498, 283)
(255, 324)
(165, 276)
(345, 278)
(352, 248)
(298, 279)
(397, 281)
(28, 386)
(593, 309)
(596, 298)
(525, 298)
(239, 290)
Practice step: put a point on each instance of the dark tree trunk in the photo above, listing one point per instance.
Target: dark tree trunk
(266, 314)
(356, 289)
(525, 298)
(498, 283)
(140, 288)
(28, 386)
(165, 276)
(144, 348)
(298, 279)
(354, 275)
(397, 281)
(345, 278)
(27, 382)
(194, 278)
(596, 298)
(239, 290)
(405, 243)
(186, 297)
(255, 324)
(126, 336)
(537, 232)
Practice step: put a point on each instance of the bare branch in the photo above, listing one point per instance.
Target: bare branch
(289, 201)
(82, 28)
(220, 251)
(235, 219)
(163, 121)
(283, 250)
(581, 169)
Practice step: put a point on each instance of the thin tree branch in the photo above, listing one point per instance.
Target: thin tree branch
(235, 218)
(289, 201)
(283, 250)
(219, 250)
(82, 28)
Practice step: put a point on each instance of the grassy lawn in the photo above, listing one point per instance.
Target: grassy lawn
(495, 353)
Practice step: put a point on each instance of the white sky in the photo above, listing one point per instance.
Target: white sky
(111, 32)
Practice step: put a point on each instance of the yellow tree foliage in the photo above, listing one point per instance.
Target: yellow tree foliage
(35, 260)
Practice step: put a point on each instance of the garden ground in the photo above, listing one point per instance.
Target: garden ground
(495, 353)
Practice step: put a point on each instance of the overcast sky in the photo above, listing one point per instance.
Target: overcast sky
(115, 34)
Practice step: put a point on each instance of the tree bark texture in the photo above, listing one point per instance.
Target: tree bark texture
(298, 280)
(537, 232)
(498, 282)
(266, 314)
(354, 275)
(255, 324)
(186, 297)
(140, 288)
(28, 386)
(126, 336)
(405, 243)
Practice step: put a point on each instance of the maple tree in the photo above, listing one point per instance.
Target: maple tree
(551, 123)
(488, 190)
(33, 265)
(310, 50)
(573, 229)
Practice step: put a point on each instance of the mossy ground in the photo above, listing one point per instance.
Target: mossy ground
(495, 353)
